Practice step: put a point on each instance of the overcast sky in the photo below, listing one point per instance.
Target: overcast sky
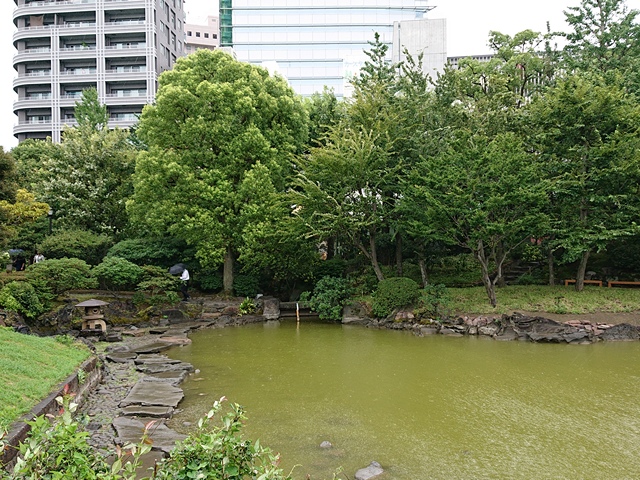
(468, 26)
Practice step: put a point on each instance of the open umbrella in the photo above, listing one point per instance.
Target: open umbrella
(177, 269)
(14, 252)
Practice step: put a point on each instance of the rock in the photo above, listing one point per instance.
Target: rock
(429, 330)
(489, 330)
(449, 332)
(113, 337)
(621, 332)
(152, 347)
(175, 340)
(373, 470)
(175, 315)
(130, 430)
(576, 336)
(121, 357)
(404, 316)
(270, 308)
(508, 334)
(147, 411)
(326, 444)
(355, 313)
(153, 393)
(231, 310)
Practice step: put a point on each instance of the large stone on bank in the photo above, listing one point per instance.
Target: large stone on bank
(149, 411)
(130, 430)
(175, 315)
(507, 335)
(620, 333)
(355, 313)
(373, 470)
(121, 357)
(489, 330)
(153, 393)
(270, 308)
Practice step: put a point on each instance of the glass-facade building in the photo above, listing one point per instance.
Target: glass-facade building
(312, 43)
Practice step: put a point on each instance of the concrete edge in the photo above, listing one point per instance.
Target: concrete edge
(20, 429)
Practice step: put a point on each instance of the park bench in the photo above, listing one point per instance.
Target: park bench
(586, 282)
(611, 283)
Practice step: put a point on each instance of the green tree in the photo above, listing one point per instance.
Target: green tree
(605, 35)
(215, 120)
(31, 156)
(588, 136)
(89, 112)
(7, 176)
(24, 210)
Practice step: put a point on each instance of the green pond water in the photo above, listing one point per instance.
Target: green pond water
(425, 408)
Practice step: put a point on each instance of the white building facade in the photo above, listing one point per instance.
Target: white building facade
(118, 47)
(318, 43)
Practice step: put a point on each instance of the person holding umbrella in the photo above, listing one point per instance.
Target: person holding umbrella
(181, 269)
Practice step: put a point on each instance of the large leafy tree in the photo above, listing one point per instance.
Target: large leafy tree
(220, 134)
(588, 134)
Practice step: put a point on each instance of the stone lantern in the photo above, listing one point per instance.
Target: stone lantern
(93, 318)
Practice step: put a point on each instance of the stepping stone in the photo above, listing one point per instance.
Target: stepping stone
(155, 359)
(130, 430)
(174, 377)
(158, 330)
(181, 340)
(150, 368)
(121, 357)
(152, 348)
(153, 393)
(140, 411)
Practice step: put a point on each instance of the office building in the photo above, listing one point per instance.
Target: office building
(65, 46)
(317, 43)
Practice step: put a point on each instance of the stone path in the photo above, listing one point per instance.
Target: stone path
(140, 385)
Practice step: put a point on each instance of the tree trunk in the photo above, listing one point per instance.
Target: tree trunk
(489, 286)
(499, 253)
(399, 254)
(227, 272)
(551, 264)
(582, 268)
(423, 272)
(374, 257)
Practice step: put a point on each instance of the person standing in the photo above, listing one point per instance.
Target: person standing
(38, 257)
(184, 278)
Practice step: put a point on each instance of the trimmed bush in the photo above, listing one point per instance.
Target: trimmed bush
(117, 273)
(246, 285)
(209, 282)
(330, 295)
(149, 251)
(22, 298)
(81, 244)
(60, 275)
(393, 293)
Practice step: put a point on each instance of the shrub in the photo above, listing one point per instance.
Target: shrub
(159, 286)
(246, 285)
(209, 282)
(149, 251)
(81, 244)
(60, 275)
(334, 267)
(247, 307)
(117, 273)
(22, 298)
(219, 451)
(330, 295)
(435, 302)
(394, 293)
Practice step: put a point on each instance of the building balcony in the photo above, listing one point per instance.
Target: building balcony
(39, 8)
(32, 55)
(137, 98)
(32, 102)
(32, 125)
(33, 78)
(81, 75)
(77, 52)
(120, 4)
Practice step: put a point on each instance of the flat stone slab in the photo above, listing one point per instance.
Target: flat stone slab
(175, 340)
(151, 411)
(150, 368)
(155, 347)
(121, 357)
(373, 470)
(153, 393)
(173, 377)
(155, 359)
(130, 430)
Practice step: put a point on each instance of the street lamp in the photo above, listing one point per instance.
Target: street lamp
(50, 215)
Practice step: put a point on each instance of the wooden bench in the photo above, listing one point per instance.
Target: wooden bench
(611, 283)
(586, 282)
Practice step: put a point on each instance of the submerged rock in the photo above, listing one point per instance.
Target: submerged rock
(373, 470)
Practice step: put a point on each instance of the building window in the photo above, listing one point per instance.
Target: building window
(214, 35)
(188, 33)
(206, 35)
(197, 34)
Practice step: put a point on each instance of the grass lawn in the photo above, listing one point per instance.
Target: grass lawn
(539, 298)
(29, 369)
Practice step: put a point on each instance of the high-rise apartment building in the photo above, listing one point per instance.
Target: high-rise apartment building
(317, 43)
(65, 46)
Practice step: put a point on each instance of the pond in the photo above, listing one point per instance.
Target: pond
(423, 407)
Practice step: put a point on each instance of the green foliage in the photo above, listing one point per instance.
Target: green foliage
(149, 250)
(22, 298)
(393, 293)
(435, 302)
(60, 275)
(218, 452)
(7, 176)
(157, 287)
(330, 295)
(333, 267)
(246, 285)
(82, 244)
(247, 307)
(89, 112)
(210, 281)
(117, 273)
